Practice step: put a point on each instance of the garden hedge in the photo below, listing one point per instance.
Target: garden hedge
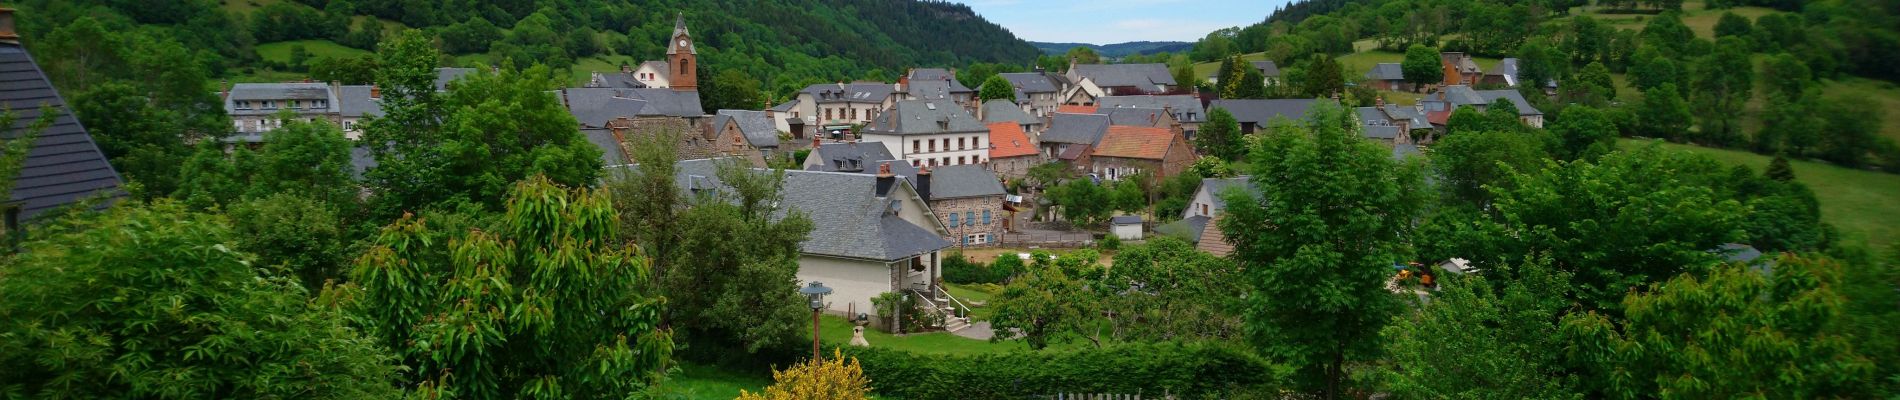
(1195, 370)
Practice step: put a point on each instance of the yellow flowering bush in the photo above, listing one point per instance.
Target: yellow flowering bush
(836, 379)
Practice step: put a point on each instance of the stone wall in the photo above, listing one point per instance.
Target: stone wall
(971, 206)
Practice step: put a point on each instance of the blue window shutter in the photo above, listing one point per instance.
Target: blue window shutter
(953, 219)
(986, 217)
(969, 218)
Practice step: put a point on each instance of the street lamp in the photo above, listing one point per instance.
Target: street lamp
(816, 292)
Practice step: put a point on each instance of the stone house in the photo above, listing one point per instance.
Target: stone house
(1039, 92)
(1003, 111)
(1067, 131)
(967, 199)
(255, 108)
(1386, 76)
(1460, 69)
(1012, 153)
(1185, 109)
(1461, 95)
(743, 133)
(833, 109)
(1129, 150)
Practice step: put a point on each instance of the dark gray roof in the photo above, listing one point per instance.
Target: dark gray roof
(925, 117)
(278, 92)
(63, 166)
(1188, 229)
(839, 157)
(1267, 68)
(1461, 95)
(445, 75)
(1183, 106)
(594, 106)
(785, 107)
(1371, 116)
(1398, 113)
(1031, 82)
(1075, 128)
(1381, 132)
(1144, 76)
(1133, 116)
(850, 218)
(1261, 111)
(1505, 67)
(615, 79)
(1524, 107)
(1001, 110)
(1218, 187)
(361, 161)
(934, 83)
(1402, 150)
(354, 101)
(758, 128)
(609, 146)
(959, 181)
(1386, 72)
(869, 92)
(1125, 220)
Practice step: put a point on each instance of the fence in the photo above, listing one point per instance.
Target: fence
(1049, 240)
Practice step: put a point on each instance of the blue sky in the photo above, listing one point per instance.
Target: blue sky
(1116, 21)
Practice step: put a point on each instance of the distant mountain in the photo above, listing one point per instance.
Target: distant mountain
(1117, 49)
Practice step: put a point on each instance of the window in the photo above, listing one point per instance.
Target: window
(827, 113)
(1203, 209)
(953, 219)
(933, 145)
(961, 145)
(986, 217)
(322, 104)
(294, 104)
(969, 218)
(684, 68)
(269, 105)
(916, 146)
(349, 125)
(854, 113)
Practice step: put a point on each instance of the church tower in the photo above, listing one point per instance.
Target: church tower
(682, 58)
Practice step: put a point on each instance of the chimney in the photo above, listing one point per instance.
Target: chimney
(1038, 68)
(375, 92)
(626, 68)
(815, 142)
(923, 182)
(8, 34)
(1379, 101)
(884, 170)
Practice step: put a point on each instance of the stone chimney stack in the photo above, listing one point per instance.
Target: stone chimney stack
(8, 32)
(884, 169)
(375, 92)
(1379, 101)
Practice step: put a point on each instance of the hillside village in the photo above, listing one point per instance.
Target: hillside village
(491, 231)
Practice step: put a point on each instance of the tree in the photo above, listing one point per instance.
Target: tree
(310, 159)
(1503, 348)
(1084, 55)
(407, 174)
(732, 90)
(151, 301)
(1663, 114)
(1732, 25)
(1502, 115)
(548, 304)
(1585, 133)
(1667, 33)
(997, 88)
(1466, 119)
(1591, 86)
(1422, 66)
(1185, 294)
(1722, 87)
(1791, 125)
(1651, 69)
(1785, 77)
(1779, 170)
(1589, 41)
(1232, 72)
(1083, 201)
(1220, 136)
(1734, 333)
(1253, 84)
(1324, 76)
(1048, 303)
(817, 379)
(1469, 162)
(1313, 179)
(1537, 65)
(738, 284)
(1852, 128)
(304, 237)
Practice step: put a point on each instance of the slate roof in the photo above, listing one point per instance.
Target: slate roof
(868, 92)
(1524, 107)
(614, 79)
(1462, 95)
(1135, 142)
(594, 106)
(924, 117)
(934, 83)
(1144, 76)
(849, 217)
(1073, 151)
(1381, 132)
(64, 165)
(1261, 111)
(758, 129)
(785, 107)
(660, 67)
(959, 181)
(1075, 128)
(443, 76)
(1009, 140)
(1125, 220)
(1371, 116)
(1031, 82)
(1267, 68)
(1506, 68)
(1183, 106)
(353, 101)
(838, 157)
(1398, 112)
(1000, 110)
(1216, 187)
(1131, 116)
(1188, 229)
(278, 92)
(1402, 150)
(1461, 61)
(361, 161)
(1386, 72)
(679, 28)
(610, 153)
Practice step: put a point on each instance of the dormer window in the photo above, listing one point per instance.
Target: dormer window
(270, 105)
(294, 104)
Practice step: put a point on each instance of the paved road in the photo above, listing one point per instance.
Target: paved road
(979, 330)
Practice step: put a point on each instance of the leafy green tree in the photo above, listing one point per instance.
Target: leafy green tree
(1537, 64)
(1502, 115)
(1220, 136)
(1625, 220)
(1048, 303)
(1663, 114)
(310, 159)
(304, 237)
(1667, 33)
(1733, 333)
(997, 88)
(1186, 294)
(1314, 179)
(1466, 119)
(1422, 66)
(299, 58)
(1084, 55)
(1785, 77)
(1324, 76)
(1779, 170)
(732, 90)
(1651, 69)
(1591, 86)
(1232, 71)
(738, 283)
(1253, 84)
(1469, 162)
(1722, 86)
(1790, 125)
(1483, 338)
(152, 301)
(1852, 128)
(1868, 285)
(1732, 25)
(1082, 201)
(1585, 133)
(1589, 41)
(408, 173)
(549, 303)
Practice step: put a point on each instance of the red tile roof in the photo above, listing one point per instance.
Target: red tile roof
(1074, 109)
(1008, 140)
(1135, 142)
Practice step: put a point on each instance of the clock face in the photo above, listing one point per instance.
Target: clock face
(682, 42)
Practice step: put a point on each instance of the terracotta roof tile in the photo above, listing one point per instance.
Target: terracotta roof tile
(1135, 142)
(1008, 140)
(1075, 109)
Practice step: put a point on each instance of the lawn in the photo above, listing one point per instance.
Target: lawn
(1863, 205)
(976, 296)
(1209, 69)
(280, 51)
(837, 332)
(584, 69)
(1695, 14)
(703, 382)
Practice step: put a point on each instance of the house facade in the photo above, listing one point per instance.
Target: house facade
(1184, 109)
(1460, 95)
(832, 110)
(1039, 92)
(257, 108)
(1071, 131)
(968, 201)
(1012, 153)
(931, 133)
(744, 133)
(1460, 69)
(1126, 151)
(1386, 76)
(1123, 79)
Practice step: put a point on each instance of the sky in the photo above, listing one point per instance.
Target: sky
(1116, 21)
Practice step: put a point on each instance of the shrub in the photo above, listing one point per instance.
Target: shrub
(1194, 370)
(960, 270)
(816, 379)
(1111, 242)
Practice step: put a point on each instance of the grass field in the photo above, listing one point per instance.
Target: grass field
(702, 382)
(1863, 205)
(1694, 14)
(280, 51)
(1885, 95)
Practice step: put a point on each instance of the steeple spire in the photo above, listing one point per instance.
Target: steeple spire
(681, 39)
